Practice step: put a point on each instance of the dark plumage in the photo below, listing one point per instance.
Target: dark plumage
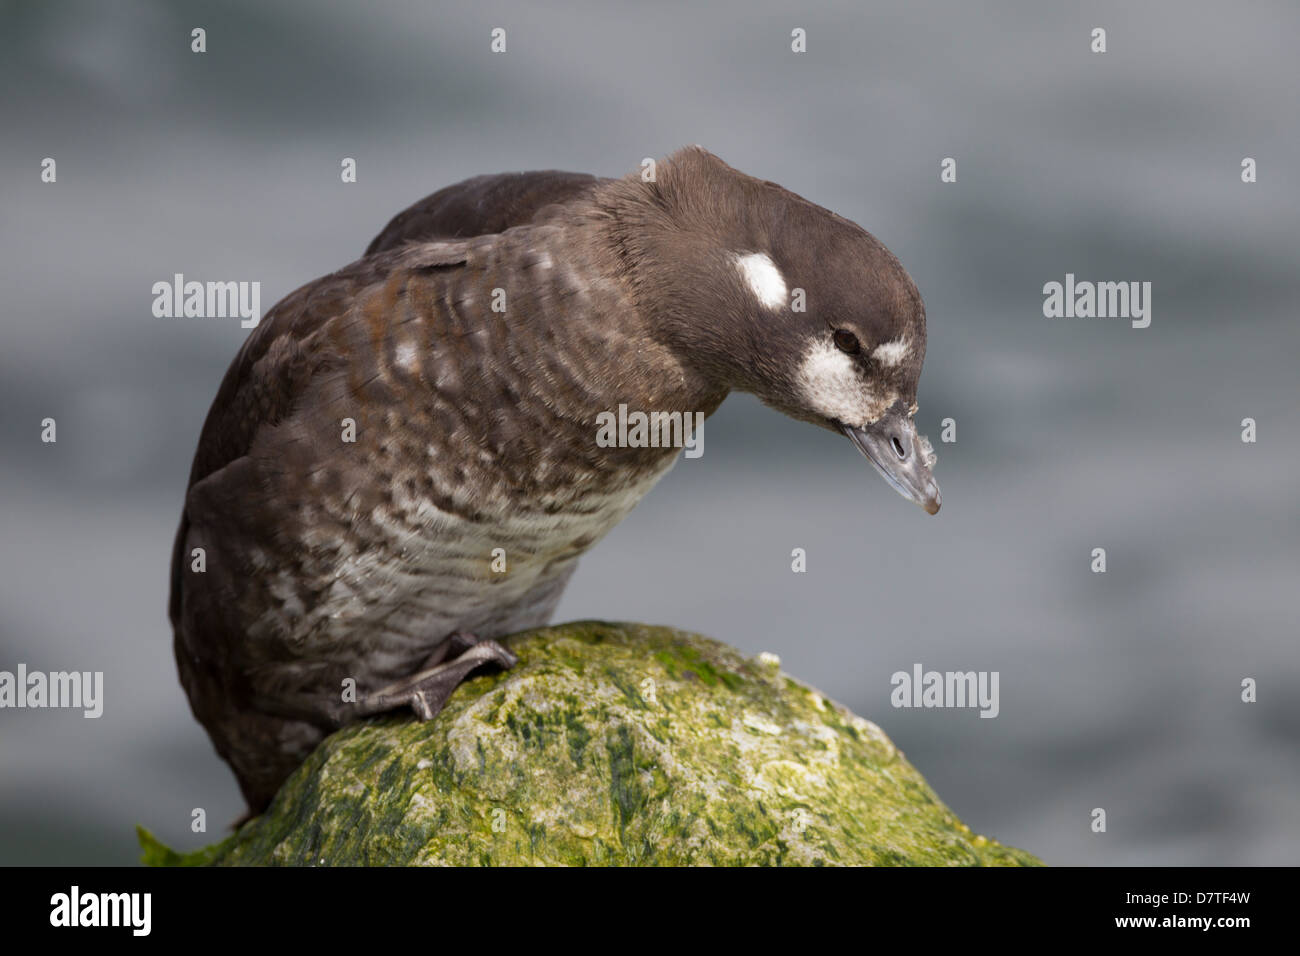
(372, 560)
(481, 206)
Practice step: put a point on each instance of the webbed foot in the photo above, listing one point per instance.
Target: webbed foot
(426, 691)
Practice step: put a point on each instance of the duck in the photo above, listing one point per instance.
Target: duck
(401, 466)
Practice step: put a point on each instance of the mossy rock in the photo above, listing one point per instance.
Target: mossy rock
(611, 744)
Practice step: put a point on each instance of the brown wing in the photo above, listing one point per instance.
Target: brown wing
(274, 364)
(272, 370)
(482, 206)
(314, 335)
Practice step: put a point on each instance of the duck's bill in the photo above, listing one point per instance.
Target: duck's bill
(901, 456)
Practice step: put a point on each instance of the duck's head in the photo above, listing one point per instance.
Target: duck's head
(771, 294)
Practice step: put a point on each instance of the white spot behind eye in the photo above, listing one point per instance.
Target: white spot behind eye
(891, 353)
(763, 278)
(833, 387)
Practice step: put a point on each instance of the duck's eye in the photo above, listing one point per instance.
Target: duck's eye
(846, 341)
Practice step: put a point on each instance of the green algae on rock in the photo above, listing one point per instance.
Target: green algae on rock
(611, 744)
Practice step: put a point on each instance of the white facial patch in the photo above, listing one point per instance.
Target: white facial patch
(891, 353)
(832, 386)
(763, 278)
(927, 450)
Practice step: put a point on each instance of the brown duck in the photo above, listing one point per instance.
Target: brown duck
(401, 463)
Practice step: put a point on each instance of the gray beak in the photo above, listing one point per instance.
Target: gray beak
(900, 455)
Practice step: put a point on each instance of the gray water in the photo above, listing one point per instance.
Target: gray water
(1118, 690)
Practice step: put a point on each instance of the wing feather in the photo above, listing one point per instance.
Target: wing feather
(482, 206)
